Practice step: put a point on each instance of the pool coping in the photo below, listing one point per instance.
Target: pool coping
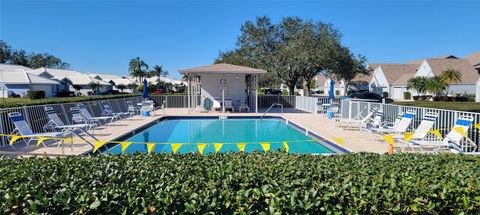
(329, 144)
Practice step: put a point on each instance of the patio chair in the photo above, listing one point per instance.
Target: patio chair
(421, 133)
(398, 129)
(454, 140)
(228, 105)
(56, 124)
(216, 105)
(23, 129)
(243, 106)
(108, 111)
(376, 122)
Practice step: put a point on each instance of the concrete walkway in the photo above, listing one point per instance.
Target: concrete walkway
(354, 141)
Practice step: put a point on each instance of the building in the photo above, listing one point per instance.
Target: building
(69, 78)
(223, 82)
(17, 80)
(436, 66)
(385, 77)
(474, 59)
(116, 80)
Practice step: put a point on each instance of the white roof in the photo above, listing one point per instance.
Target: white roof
(113, 78)
(77, 78)
(16, 74)
(154, 79)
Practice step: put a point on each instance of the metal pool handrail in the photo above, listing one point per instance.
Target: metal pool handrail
(271, 106)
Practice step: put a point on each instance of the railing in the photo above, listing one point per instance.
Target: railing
(273, 105)
(36, 117)
(303, 103)
(444, 122)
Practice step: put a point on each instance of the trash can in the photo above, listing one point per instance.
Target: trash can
(330, 114)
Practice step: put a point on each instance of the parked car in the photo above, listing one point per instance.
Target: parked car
(160, 91)
(368, 97)
(272, 92)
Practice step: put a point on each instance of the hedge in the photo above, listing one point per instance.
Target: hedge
(251, 183)
(36, 94)
(20, 102)
(460, 106)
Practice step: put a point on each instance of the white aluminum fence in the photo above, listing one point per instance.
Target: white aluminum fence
(36, 116)
(445, 120)
(303, 103)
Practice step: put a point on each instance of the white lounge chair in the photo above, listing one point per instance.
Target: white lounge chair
(421, 133)
(131, 108)
(358, 121)
(56, 124)
(216, 105)
(377, 120)
(81, 115)
(398, 129)
(228, 105)
(108, 111)
(454, 140)
(23, 129)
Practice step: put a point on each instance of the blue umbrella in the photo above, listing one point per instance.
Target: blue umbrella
(145, 89)
(331, 94)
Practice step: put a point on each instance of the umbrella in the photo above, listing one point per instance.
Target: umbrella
(331, 94)
(145, 89)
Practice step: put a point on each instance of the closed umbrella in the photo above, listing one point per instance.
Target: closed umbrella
(145, 89)
(331, 92)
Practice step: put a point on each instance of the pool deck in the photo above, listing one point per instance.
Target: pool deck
(354, 141)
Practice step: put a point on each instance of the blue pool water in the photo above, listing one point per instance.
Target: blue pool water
(189, 132)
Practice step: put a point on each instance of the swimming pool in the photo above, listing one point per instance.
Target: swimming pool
(224, 135)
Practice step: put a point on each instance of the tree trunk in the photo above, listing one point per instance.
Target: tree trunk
(291, 89)
(308, 90)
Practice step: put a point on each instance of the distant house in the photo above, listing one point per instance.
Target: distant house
(323, 85)
(474, 59)
(17, 80)
(436, 66)
(391, 79)
(115, 80)
(69, 78)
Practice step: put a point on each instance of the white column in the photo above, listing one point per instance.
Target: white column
(256, 93)
(188, 92)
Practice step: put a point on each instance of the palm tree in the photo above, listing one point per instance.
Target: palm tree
(121, 87)
(158, 71)
(450, 76)
(435, 86)
(132, 87)
(77, 88)
(94, 86)
(418, 84)
(138, 68)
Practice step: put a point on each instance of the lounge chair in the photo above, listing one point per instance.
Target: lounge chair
(421, 133)
(377, 120)
(131, 108)
(454, 140)
(56, 124)
(398, 129)
(358, 121)
(81, 115)
(23, 129)
(108, 111)
(216, 105)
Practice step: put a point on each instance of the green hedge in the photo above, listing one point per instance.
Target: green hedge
(20, 102)
(36, 94)
(461, 106)
(244, 183)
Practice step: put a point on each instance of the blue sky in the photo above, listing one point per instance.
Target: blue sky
(102, 36)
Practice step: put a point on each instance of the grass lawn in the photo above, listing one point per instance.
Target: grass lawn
(19, 102)
(461, 106)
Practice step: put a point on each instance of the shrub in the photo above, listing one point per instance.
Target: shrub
(242, 183)
(337, 92)
(385, 94)
(36, 94)
(407, 95)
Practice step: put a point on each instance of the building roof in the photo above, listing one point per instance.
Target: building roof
(16, 74)
(393, 72)
(77, 78)
(367, 78)
(222, 68)
(469, 74)
(474, 59)
(420, 61)
(12, 68)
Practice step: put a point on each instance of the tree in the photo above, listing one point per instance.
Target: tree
(77, 88)
(138, 69)
(158, 71)
(345, 66)
(435, 85)
(46, 60)
(5, 52)
(95, 86)
(132, 87)
(19, 58)
(121, 87)
(450, 76)
(419, 84)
